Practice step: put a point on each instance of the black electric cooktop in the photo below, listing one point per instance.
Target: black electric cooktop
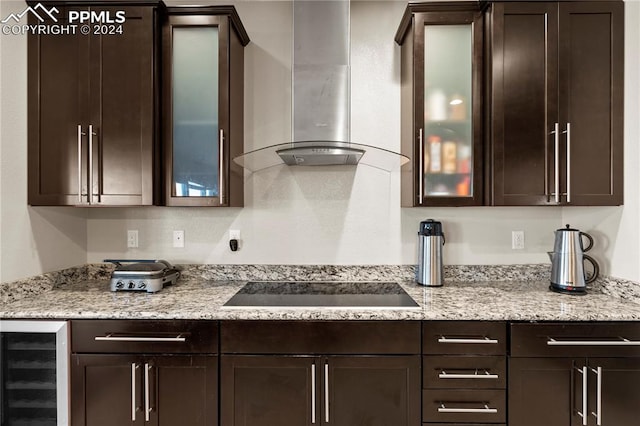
(322, 294)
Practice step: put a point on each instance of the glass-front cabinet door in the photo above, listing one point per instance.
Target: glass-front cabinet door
(195, 106)
(203, 63)
(442, 104)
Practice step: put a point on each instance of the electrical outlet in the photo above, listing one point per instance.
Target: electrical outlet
(178, 239)
(132, 238)
(517, 240)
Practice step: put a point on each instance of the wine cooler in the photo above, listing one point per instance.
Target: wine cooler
(34, 373)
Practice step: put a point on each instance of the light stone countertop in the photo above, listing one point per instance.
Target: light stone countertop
(195, 298)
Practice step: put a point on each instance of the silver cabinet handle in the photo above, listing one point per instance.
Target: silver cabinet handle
(147, 405)
(568, 132)
(623, 342)
(583, 413)
(80, 134)
(556, 168)
(313, 393)
(134, 367)
(482, 340)
(486, 375)
(326, 393)
(221, 176)
(90, 171)
(110, 338)
(598, 413)
(421, 167)
(486, 410)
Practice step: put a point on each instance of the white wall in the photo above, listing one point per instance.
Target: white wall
(32, 240)
(1, 126)
(617, 229)
(322, 215)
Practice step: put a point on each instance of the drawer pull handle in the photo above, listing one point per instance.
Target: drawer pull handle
(556, 145)
(486, 410)
(313, 393)
(80, 135)
(111, 338)
(421, 168)
(598, 413)
(326, 393)
(221, 176)
(444, 339)
(622, 342)
(147, 404)
(583, 413)
(134, 407)
(485, 375)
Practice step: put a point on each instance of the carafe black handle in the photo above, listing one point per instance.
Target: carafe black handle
(584, 234)
(596, 269)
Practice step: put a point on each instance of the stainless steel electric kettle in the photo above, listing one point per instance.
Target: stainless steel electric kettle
(567, 262)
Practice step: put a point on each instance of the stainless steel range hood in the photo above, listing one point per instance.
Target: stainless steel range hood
(321, 96)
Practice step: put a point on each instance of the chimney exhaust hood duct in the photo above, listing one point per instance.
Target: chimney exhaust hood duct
(321, 96)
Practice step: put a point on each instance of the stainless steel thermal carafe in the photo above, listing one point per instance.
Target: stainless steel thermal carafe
(430, 242)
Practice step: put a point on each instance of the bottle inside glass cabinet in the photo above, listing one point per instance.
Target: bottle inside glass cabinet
(447, 111)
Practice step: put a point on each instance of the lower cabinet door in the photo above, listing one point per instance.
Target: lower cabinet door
(371, 390)
(540, 391)
(135, 390)
(269, 390)
(614, 391)
(183, 390)
(106, 390)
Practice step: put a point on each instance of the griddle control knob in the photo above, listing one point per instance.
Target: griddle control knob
(132, 285)
(142, 285)
(120, 284)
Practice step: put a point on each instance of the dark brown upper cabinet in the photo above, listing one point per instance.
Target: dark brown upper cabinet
(203, 90)
(557, 103)
(91, 116)
(442, 104)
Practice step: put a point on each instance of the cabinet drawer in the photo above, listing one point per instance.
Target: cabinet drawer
(320, 337)
(468, 372)
(463, 406)
(463, 424)
(464, 337)
(575, 340)
(123, 336)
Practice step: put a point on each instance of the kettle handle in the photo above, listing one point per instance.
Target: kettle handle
(596, 268)
(589, 237)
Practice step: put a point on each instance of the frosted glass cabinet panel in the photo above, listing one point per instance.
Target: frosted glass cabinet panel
(442, 85)
(203, 93)
(196, 165)
(448, 137)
